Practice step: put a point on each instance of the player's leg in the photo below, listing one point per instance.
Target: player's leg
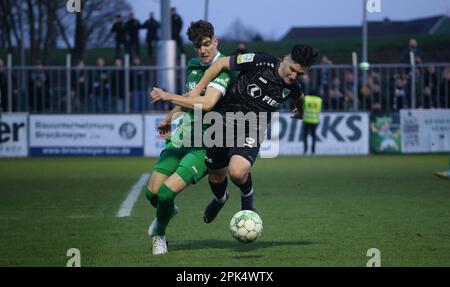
(167, 192)
(314, 137)
(305, 138)
(166, 208)
(242, 159)
(239, 171)
(153, 185)
(218, 182)
(216, 160)
(165, 167)
(191, 169)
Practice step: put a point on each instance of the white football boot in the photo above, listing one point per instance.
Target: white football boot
(159, 245)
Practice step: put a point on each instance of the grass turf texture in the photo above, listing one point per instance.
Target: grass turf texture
(316, 211)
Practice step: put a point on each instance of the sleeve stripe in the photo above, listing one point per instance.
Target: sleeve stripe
(218, 87)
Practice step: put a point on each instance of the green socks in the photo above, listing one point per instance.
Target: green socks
(165, 209)
(153, 198)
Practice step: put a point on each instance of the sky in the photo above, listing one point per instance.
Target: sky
(274, 18)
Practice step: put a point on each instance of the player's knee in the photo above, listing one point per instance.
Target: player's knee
(238, 175)
(150, 188)
(216, 178)
(165, 194)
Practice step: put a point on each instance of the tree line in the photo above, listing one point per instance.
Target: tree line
(46, 25)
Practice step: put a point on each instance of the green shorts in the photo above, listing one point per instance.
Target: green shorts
(188, 163)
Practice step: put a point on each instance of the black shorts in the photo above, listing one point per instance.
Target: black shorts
(219, 157)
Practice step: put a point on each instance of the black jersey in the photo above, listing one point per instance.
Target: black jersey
(258, 88)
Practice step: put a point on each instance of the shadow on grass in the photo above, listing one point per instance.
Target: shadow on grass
(235, 245)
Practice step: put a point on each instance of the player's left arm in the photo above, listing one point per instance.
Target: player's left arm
(206, 102)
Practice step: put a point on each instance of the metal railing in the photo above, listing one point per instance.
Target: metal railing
(390, 87)
(84, 89)
(110, 89)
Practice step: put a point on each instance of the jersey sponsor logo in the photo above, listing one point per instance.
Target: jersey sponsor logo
(245, 58)
(222, 81)
(286, 92)
(271, 102)
(254, 91)
(262, 80)
(191, 85)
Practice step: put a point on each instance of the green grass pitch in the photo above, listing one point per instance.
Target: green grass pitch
(316, 211)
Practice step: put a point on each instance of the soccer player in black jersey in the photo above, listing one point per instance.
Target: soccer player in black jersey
(263, 84)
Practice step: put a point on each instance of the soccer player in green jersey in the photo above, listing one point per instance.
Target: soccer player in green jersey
(178, 165)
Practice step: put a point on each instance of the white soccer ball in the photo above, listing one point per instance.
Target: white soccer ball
(246, 226)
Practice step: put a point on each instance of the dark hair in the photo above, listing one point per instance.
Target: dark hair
(199, 30)
(304, 55)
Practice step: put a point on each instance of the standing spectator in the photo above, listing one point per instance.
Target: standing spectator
(4, 89)
(132, 27)
(371, 93)
(121, 37)
(240, 49)
(152, 27)
(177, 25)
(117, 86)
(400, 100)
(3, 85)
(444, 99)
(39, 96)
(137, 85)
(100, 86)
(413, 47)
(336, 95)
(79, 92)
(348, 90)
(324, 79)
(429, 98)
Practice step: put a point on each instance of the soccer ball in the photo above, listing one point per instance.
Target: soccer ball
(246, 226)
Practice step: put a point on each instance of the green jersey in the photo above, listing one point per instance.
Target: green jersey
(194, 73)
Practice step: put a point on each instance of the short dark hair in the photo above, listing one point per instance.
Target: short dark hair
(304, 55)
(199, 30)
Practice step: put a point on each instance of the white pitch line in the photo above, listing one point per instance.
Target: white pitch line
(128, 203)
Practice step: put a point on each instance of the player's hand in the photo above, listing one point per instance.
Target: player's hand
(297, 114)
(194, 93)
(299, 110)
(164, 128)
(159, 95)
